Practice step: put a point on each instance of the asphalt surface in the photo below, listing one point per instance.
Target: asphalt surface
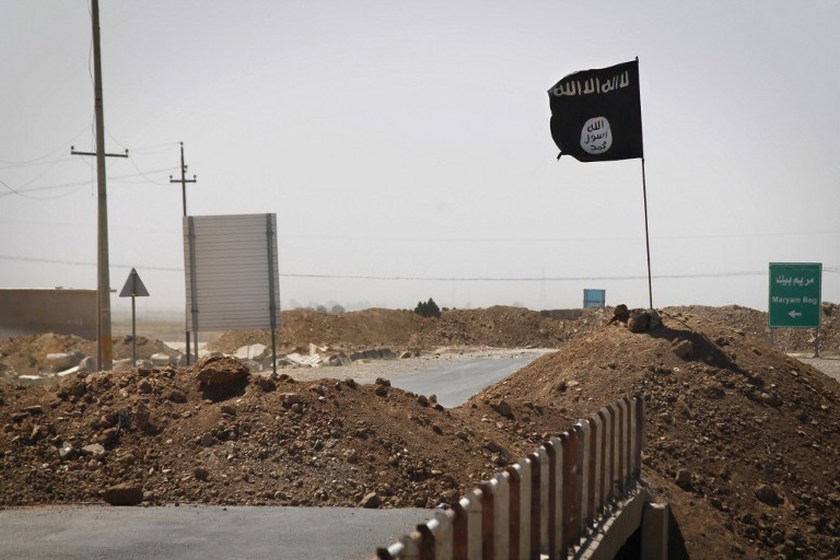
(456, 382)
(200, 532)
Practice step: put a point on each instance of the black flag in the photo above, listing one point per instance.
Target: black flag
(596, 115)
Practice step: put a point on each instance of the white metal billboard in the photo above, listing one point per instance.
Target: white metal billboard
(231, 272)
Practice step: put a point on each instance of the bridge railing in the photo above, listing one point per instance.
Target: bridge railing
(546, 504)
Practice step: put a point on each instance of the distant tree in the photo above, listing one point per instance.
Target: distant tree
(336, 309)
(427, 309)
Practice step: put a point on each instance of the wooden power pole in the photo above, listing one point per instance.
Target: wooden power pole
(183, 180)
(104, 352)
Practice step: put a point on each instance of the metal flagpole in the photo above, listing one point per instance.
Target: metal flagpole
(647, 235)
(644, 197)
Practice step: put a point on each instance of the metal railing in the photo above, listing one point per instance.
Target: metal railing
(552, 503)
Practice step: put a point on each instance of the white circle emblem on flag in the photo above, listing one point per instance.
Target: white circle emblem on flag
(596, 136)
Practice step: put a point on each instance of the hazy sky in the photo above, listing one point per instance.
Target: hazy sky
(405, 146)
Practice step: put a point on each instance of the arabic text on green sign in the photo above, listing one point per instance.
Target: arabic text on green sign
(795, 295)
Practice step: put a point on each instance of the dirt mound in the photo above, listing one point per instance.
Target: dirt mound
(28, 354)
(327, 442)
(741, 439)
(498, 326)
(754, 324)
(501, 327)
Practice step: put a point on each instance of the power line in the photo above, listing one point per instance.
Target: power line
(831, 270)
(115, 178)
(519, 279)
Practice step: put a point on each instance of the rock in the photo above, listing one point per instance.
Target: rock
(290, 399)
(381, 391)
(340, 359)
(503, 408)
(38, 433)
(639, 321)
(683, 479)
(387, 354)
(493, 446)
(201, 473)
(123, 495)
(383, 381)
(715, 391)
(122, 365)
(88, 364)
(60, 361)
(254, 352)
(67, 452)
(682, 348)
(655, 320)
(371, 501)
(32, 410)
(620, 314)
(176, 396)
(770, 400)
(422, 400)
(252, 365)
(93, 450)
(221, 377)
(266, 384)
(768, 495)
(160, 359)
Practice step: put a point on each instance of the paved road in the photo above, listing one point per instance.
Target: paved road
(455, 383)
(828, 365)
(200, 533)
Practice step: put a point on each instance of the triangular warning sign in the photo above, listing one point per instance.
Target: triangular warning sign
(134, 286)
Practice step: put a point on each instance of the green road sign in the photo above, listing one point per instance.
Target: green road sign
(795, 295)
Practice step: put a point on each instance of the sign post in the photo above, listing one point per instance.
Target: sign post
(796, 297)
(133, 288)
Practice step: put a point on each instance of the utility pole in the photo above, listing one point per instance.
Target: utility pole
(104, 353)
(183, 180)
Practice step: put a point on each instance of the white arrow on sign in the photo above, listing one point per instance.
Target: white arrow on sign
(794, 314)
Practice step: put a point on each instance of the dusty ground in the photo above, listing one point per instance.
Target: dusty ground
(743, 440)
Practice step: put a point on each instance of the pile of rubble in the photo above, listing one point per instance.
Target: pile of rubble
(309, 338)
(742, 440)
(55, 355)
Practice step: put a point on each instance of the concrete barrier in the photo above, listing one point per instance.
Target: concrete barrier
(578, 493)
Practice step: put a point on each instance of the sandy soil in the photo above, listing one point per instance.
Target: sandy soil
(742, 439)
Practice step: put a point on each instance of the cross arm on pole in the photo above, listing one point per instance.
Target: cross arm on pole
(75, 152)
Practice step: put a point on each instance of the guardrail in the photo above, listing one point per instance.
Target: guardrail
(559, 500)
